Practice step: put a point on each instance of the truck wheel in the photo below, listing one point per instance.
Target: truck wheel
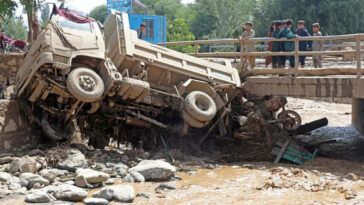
(291, 120)
(192, 121)
(85, 84)
(200, 106)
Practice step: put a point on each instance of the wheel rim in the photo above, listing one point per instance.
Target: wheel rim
(87, 83)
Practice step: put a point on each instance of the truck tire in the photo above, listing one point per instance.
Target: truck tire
(200, 106)
(85, 84)
(192, 121)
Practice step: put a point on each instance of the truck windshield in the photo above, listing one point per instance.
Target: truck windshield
(63, 22)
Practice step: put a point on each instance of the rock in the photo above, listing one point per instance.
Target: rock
(174, 177)
(33, 179)
(70, 182)
(51, 174)
(5, 160)
(14, 186)
(23, 165)
(210, 166)
(121, 172)
(137, 177)
(4, 177)
(352, 177)
(154, 169)
(165, 187)
(39, 197)
(92, 176)
(144, 195)
(95, 201)
(37, 186)
(75, 159)
(128, 179)
(81, 181)
(110, 181)
(120, 193)
(17, 180)
(117, 165)
(67, 192)
(248, 166)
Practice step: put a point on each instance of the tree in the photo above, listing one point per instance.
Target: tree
(178, 31)
(45, 13)
(99, 13)
(14, 28)
(220, 18)
(335, 16)
(7, 8)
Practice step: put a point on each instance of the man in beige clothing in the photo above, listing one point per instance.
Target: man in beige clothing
(250, 47)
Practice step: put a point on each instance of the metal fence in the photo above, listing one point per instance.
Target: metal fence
(296, 53)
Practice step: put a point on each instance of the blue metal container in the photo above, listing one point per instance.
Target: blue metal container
(156, 27)
(156, 31)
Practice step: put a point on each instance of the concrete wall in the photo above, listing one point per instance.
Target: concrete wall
(13, 131)
(9, 65)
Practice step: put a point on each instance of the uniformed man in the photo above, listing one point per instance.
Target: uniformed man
(250, 47)
(288, 46)
(277, 46)
(304, 45)
(141, 31)
(317, 45)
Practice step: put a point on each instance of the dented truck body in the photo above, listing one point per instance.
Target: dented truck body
(106, 83)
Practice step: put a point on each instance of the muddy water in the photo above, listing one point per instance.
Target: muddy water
(229, 185)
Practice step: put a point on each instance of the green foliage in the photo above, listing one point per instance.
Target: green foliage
(45, 14)
(335, 16)
(7, 8)
(14, 28)
(99, 13)
(220, 18)
(178, 31)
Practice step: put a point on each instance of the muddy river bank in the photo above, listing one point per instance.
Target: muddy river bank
(321, 181)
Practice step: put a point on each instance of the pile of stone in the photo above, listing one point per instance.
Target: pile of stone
(75, 174)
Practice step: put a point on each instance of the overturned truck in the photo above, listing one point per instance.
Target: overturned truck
(104, 82)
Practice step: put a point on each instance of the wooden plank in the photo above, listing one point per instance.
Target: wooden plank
(305, 72)
(280, 154)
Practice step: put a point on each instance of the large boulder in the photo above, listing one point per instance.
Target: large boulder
(67, 192)
(154, 169)
(120, 193)
(39, 196)
(34, 179)
(23, 165)
(75, 159)
(92, 176)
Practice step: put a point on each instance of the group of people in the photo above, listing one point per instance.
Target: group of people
(282, 29)
(7, 44)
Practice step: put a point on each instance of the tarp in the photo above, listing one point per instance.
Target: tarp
(71, 17)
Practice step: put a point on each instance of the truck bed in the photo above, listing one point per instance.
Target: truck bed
(164, 67)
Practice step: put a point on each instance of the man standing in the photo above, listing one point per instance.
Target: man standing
(317, 45)
(288, 46)
(141, 31)
(304, 45)
(250, 47)
(277, 46)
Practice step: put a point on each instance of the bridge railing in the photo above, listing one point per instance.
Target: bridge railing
(296, 53)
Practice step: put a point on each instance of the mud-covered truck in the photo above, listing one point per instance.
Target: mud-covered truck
(104, 82)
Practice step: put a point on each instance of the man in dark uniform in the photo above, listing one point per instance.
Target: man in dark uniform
(141, 31)
(288, 46)
(304, 45)
(277, 46)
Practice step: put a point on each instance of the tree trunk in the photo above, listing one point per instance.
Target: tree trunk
(36, 25)
(30, 27)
